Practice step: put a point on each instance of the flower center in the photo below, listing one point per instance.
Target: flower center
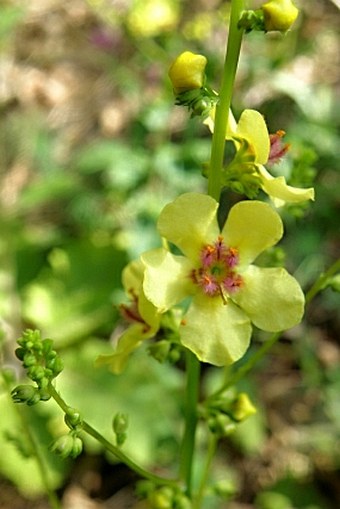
(217, 273)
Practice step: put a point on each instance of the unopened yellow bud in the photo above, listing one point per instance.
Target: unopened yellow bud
(279, 15)
(187, 72)
(242, 407)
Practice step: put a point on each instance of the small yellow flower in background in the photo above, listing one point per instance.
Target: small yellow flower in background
(279, 15)
(149, 18)
(227, 291)
(142, 316)
(187, 72)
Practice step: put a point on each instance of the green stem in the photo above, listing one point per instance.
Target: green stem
(319, 283)
(213, 440)
(25, 424)
(188, 443)
(112, 448)
(52, 497)
(248, 366)
(223, 106)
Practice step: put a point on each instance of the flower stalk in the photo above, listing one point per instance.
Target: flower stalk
(191, 399)
(214, 189)
(223, 106)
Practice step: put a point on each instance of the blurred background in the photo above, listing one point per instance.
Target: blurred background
(91, 149)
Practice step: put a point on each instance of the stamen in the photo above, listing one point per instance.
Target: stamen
(217, 276)
(208, 255)
(209, 285)
(232, 257)
(233, 282)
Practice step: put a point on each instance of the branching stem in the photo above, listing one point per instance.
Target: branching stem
(116, 451)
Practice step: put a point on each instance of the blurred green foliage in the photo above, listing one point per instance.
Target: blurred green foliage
(91, 148)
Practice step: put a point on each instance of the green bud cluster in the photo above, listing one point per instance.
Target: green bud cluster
(26, 394)
(199, 101)
(42, 365)
(240, 175)
(73, 419)
(164, 350)
(224, 413)
(164, 497)
(68, 446)
(252, 20)
(242, 179)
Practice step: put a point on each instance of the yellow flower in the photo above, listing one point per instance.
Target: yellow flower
(251, 136)
(279, 15)
(227, 291)
(142, 316)
(187, 72)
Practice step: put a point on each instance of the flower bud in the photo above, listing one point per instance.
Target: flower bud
(25, 394)
(160, 350)
(29, 360)
(44, 394)
(20, 353)
(56, 366)
(47, 345)
(187, 72)
(162, 498)
(67, 446)
(242, 407)
(279, 15)
(36, 373)
(120, 424)
(72, 418)
(221, 425)
(181, 502)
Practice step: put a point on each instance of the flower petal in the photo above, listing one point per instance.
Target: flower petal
(132, 276)
(127, 343)
(216, 333)
(189, 222)
(166, 278)
(271, 297)
(231, 125)
(148, 311)
(280, 192)
(252, 227)
(253, 128)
